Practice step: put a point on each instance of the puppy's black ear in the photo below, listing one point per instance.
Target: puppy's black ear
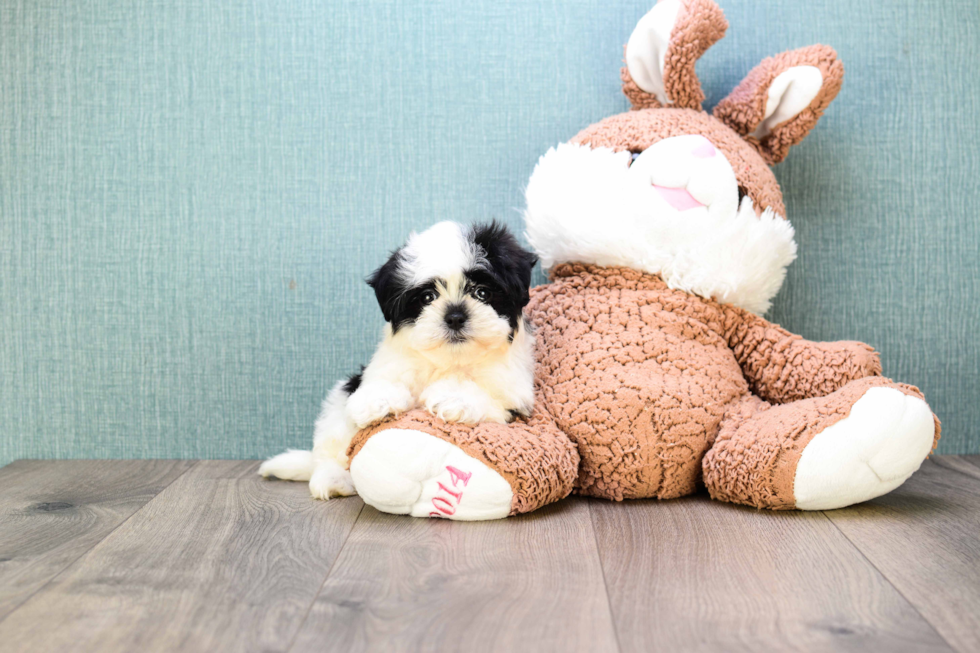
(510, 263)
(388, 287)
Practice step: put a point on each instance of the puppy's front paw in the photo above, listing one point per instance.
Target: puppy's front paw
(331, 480)
(373, 402)
(453, 408)
(462, 404)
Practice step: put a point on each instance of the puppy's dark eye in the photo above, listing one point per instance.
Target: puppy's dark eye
(428, 296)
(481, 293)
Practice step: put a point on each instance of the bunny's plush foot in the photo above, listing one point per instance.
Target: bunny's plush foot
(851, 446)
(408, 472)
(419, 465)
(867, 454)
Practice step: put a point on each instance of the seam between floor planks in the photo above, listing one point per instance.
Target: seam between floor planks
(85, 552)
(958, 634)
(971, 463)
(602, 569)
(482, 586)
(193, 464)
(888, 580)
(333, 565)
(793, 602)
(76, 595)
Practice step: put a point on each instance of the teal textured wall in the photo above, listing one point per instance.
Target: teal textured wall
(192, 191)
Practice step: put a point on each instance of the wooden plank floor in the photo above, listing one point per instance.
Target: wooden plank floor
(206, 556)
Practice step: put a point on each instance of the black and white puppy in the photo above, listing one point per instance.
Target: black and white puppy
(455, 342)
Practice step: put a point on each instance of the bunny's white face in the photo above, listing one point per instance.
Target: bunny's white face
(688, 175)
(675, 210)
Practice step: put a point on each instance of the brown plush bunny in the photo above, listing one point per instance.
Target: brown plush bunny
(665, 234)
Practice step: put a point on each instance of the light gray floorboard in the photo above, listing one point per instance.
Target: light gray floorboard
(219, 561)
(222, 560)
(530, 583)
(925, 539)
(53, 511)
(695, 574)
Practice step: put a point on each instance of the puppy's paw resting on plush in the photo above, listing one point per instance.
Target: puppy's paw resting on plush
(462, 401)
(331, 480)
(374, 401)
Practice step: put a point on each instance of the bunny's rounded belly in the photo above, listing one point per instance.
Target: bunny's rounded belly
(638, 385)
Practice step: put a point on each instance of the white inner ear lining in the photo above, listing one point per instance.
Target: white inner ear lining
(646, 50)
(790, 93)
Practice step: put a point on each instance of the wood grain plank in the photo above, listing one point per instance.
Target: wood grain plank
(695, 574)
(529, 583)
(221, 560)
(53, 511)
(925, 539)
(973, 459)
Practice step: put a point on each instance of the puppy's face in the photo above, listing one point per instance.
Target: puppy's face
(456, 287)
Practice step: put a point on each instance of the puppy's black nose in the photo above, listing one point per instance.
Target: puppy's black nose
(456, 318)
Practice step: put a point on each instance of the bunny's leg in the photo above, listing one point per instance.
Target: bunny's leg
(418, 465)
(857, 443)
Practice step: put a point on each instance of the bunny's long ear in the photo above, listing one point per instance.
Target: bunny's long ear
(781, 99)
(663, 49)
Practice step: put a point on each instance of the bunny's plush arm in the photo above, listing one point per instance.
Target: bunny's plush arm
(782, 367)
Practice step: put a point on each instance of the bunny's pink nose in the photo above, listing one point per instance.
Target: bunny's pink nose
(704, 150)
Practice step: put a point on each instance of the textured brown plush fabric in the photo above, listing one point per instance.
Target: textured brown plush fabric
(537, 459)
(754, 459)
(637, 130)
(641, 376)
(783, 367)
(700, 23)
(745, 107)
(638, 375)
